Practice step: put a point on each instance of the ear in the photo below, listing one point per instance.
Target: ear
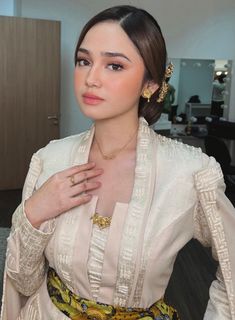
(150, 85)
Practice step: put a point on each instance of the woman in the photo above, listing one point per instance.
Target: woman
(219, 87)
(101, 208)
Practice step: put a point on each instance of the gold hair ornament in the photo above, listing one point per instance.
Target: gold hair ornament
(147, 93)
(165, 86)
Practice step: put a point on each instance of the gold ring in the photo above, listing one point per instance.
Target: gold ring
(72, 180)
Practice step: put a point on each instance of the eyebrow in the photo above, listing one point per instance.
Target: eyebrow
(106, 54)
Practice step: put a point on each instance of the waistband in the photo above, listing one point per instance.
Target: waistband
(76, 307)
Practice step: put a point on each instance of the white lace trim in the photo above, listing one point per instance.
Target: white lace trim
(206, 183)
(96, 258)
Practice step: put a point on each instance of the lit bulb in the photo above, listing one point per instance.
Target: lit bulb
(197, 64)
(193, 119)
(178, 119)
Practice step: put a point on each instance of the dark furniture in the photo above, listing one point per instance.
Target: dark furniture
(218, 132)
(222, 129)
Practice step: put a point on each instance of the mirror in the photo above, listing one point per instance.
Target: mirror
(193, 81)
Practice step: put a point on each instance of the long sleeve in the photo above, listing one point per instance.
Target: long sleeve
(25, 261)
(215, 227)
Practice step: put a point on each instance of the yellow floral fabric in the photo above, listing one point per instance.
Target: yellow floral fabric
(77, 308)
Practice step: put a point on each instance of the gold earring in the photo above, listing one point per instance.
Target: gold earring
(147, 93)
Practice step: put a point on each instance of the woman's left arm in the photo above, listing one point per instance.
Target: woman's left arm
(215, 227)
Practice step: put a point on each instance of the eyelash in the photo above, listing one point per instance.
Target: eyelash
(115, 66)
(79, 60)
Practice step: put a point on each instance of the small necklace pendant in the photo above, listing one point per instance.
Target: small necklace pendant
(102, 222)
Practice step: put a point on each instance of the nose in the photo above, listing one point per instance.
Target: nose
(93, 77)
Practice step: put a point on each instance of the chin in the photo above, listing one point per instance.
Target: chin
(94, 115)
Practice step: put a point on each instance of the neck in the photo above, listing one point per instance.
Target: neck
(113, 134)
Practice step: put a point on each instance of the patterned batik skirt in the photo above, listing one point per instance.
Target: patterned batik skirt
(76, 308)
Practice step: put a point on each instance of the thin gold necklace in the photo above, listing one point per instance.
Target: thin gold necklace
(113, 154)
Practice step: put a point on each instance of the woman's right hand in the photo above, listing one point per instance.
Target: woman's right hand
(62, 192)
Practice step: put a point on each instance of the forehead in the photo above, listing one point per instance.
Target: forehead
(109, 36)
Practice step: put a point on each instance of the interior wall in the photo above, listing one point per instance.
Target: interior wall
(192, 29)
(7, 7)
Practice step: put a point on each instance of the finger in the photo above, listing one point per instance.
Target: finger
(80, 168)
(76, 169)
(81, 188)
(79, 200)
(85, 175)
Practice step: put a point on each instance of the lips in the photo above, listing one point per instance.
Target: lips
(92, 99)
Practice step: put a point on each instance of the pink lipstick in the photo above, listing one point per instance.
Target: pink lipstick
(91, 99)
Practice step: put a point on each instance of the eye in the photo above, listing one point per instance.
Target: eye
(115, 66)
(82, 62)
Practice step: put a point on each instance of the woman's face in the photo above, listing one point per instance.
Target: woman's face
(109, 74)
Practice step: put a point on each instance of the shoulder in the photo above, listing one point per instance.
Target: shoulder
(61, 146)
(181, 155)
(173, 153)
(57, 155)
(186, 159)
(175, 148)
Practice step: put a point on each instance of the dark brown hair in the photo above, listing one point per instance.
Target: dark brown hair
(144, 31)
